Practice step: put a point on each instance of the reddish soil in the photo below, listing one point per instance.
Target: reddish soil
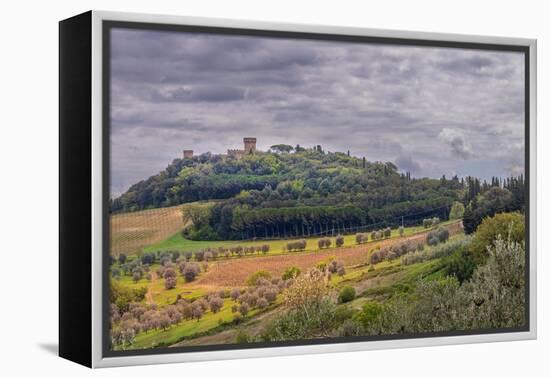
(235, 272)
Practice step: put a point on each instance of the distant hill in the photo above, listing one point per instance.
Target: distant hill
(308, 191)
(336, 185)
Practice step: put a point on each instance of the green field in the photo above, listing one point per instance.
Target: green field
(178, 243)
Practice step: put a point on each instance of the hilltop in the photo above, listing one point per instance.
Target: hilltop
(296, 191)
(291, 183)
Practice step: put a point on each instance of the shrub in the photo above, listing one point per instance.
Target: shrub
(197, 310)
(324, 243)
(291, 272)
(311, 319)
(271, 294)
(369, 314)
(460, 264)
(136, 276)
(215, 303)
(401, 231)
(253, 279)
(362, 238)
(169, 273)
(262, 303)
(436, 252)
(244, 308)
(309, 288)
(339, 240)
(334, 266)
(165, 259)
(265, 248)
(508, 225)
(242, 337)
(387, 232)
(203, 303)
(457, 210)
(252, 299)
(373, 235)
(431, 238)
(375, 257)
(350, 328)
(298, 245)
(235, 294)
(147, 258)
(115, 273)
(343, 313)
(442, 234)
(122, 258)
(199, 255)
(170, 283)
(191, 271)
(347, 294)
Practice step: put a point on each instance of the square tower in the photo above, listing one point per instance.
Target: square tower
(249, 145)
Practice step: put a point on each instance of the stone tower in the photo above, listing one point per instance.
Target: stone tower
(249, 145)
(187, 154)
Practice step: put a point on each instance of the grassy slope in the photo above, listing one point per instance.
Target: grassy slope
(189, 328)
(177, 242)
(387, 278)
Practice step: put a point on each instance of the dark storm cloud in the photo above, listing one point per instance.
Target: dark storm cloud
(433, 111)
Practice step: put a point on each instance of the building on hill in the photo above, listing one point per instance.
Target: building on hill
(249, 145)
(249, 148)
(237, 154)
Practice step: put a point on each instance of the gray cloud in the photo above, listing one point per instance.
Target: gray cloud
(209, 93)
(459, 147)
(407, 164)
(431, 110)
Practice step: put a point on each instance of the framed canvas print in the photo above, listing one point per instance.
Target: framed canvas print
(235, 189)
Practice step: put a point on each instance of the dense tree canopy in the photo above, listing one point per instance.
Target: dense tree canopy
(300, 192)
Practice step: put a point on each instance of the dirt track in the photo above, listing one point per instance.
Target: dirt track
(235, 272)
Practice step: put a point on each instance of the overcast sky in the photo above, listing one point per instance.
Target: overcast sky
(432, 111)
